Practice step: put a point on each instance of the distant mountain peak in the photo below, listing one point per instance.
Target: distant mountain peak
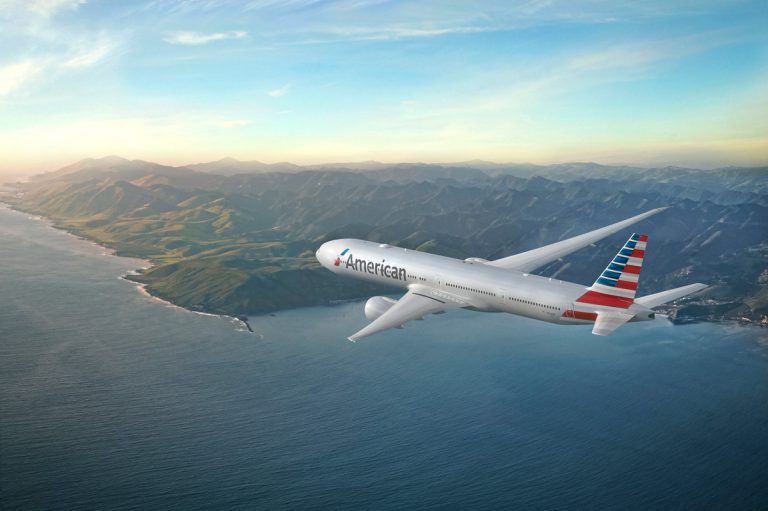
(477, 161)
(230, 166)
(111, 159)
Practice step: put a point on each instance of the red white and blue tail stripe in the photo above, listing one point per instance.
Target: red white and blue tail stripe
(617, 285)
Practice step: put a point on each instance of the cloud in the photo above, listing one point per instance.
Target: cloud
(391, 33)
(279, 92)
(48, 7)
(521, 88)
(90, 57)
(403, 32)
(13, 75)
(197, 38)
(649, 52)
(46, 45)
(43, 8)
(232, 123)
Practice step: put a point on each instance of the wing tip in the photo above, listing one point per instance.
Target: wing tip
(698, 287)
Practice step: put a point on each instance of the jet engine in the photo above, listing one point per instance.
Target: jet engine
(377, 306)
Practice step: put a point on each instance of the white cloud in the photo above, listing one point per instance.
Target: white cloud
(197, 38)
(402, 32)
(13, 75)
(48, 7)
(639, 55)
(47, 45)
(519, 89)
(90, 57)
(232, 123)
(279, 92)
(44, 8)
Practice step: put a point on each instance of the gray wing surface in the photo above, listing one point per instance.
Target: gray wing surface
(532, 259)
(415, 304)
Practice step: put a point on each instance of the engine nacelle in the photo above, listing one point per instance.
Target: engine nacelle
(377, 306)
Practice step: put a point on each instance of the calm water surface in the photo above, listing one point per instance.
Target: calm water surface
(112, 400)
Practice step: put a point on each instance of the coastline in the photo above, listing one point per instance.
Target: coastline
(110, 251)
(106, 250)
(144, 289)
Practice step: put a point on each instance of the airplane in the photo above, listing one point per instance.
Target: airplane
(436, 283)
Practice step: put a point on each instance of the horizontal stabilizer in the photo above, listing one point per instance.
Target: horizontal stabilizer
(669, 295)
(607, 322)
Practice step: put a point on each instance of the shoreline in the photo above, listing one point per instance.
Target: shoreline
(109, 251)
(142, 289)
(243, 319)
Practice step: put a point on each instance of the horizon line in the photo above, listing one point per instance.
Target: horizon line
(341, 164)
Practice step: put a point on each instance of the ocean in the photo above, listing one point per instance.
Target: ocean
(110, 399)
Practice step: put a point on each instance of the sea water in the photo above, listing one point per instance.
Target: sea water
(110, 399)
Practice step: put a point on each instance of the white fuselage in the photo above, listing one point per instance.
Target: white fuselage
(482, 287)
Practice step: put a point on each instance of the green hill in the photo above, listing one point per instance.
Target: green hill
(245, 243)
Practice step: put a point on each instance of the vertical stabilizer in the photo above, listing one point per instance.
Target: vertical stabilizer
(617, 285)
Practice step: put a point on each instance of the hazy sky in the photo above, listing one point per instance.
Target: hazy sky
(181, 81)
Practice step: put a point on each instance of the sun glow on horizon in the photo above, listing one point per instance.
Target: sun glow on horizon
(319, 82)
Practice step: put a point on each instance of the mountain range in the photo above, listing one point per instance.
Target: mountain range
(239, 237)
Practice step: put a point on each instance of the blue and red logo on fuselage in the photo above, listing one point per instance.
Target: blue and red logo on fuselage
(337, 262)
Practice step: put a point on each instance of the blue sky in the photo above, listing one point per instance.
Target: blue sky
(174, 81)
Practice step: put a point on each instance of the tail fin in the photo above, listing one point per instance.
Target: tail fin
(616, 286)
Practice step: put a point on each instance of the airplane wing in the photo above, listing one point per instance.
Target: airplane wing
(608, 321)
(532, 259)
(415, 304)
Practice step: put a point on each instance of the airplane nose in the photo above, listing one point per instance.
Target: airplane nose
(319, 255)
